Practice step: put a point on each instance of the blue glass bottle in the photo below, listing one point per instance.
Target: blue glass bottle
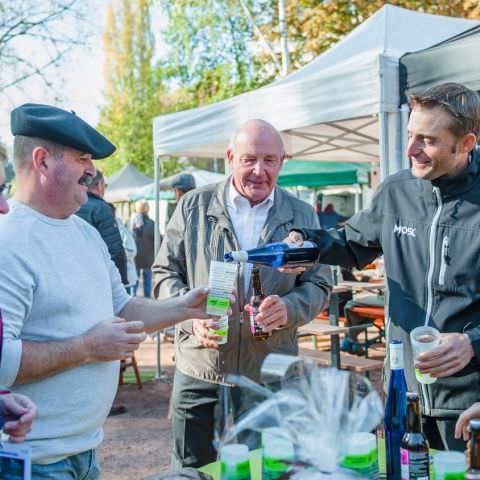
(276, 254)
(395, 411)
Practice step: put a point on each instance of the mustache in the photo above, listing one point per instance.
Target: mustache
(86, 180)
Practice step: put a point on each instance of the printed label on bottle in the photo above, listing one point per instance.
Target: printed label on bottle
(396, 356)
(414, 465)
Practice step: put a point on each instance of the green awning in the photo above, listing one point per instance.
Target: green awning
(299, 173)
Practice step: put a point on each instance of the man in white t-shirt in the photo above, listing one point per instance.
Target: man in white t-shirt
(67, 318)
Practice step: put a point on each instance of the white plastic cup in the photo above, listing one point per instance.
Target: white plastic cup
(449, 464)
(278, 453)
(221, 329)
(423, 339)
(362, 455)
(235, 462)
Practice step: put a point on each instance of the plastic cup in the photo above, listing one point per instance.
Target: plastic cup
(221, 329)
(449, 465)
(423, 339)
(235, 463)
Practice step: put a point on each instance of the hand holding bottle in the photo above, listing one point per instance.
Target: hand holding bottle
(296, 238)
(272, 313)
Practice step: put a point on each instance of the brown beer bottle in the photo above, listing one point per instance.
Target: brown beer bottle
(255, 302)
(473, 473)
(414, 457)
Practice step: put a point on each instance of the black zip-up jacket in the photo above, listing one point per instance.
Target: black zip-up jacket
(100, 214)
(429, 233)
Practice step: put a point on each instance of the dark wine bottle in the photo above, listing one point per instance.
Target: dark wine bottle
(473, 473)
(414, 456)
(395, 410)
(257, 298)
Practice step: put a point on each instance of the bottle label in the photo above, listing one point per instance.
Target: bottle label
(220, 282)
(396, 356)
(414, 465)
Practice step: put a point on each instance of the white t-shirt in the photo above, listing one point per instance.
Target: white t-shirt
(57, 281)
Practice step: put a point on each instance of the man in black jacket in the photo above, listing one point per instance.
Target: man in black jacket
(426, 223)
(100, 214)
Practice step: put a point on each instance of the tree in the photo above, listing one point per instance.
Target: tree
(132, 86)
(49, 30)
(315, 26)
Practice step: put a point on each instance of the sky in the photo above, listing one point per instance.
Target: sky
(81, 87)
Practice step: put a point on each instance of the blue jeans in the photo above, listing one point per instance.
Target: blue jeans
(83, 466)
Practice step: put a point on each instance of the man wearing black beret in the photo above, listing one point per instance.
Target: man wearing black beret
(67, 317)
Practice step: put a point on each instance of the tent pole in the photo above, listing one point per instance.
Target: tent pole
(158, 371)
(404, 111)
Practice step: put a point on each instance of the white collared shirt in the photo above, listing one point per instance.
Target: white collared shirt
(247, 222)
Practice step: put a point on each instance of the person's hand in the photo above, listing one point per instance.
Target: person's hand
(113, 339)
(297, 239)
(294, 237)
(194, 302)
(272, 313)
(453, 354)
(18, 413)
(461, 427)
(201, 330)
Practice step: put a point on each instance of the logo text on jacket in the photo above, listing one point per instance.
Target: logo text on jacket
(403, 230)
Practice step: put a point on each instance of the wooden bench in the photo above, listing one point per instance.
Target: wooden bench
(347, 362)
(318, 328)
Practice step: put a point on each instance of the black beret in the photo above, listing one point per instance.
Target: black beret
(59, 126)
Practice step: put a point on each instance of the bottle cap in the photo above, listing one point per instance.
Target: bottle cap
(239, 256)
(234, 453)
(474, 424)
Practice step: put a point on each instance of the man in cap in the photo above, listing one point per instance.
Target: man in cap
(67, 317)
(182, 183)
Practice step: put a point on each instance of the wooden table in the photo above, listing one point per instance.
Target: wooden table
(334, 312)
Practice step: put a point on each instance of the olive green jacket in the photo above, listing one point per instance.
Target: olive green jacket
(199, 231)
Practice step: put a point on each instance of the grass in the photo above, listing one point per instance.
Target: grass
(146, 376)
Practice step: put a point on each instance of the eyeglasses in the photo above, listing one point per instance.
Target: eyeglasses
(5, 188)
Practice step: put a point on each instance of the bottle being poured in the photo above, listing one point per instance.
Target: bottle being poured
(277, 254)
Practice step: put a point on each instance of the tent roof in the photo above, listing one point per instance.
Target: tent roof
(451, 61)
(202, 177)
(328, 109)
(322, 174)
(124, 182)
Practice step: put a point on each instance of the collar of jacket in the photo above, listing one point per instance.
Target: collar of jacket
(98, 197)
(280, 213)
(463, 182)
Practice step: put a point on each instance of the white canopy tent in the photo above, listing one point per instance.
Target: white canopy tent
(343, 106)
(125, 182)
